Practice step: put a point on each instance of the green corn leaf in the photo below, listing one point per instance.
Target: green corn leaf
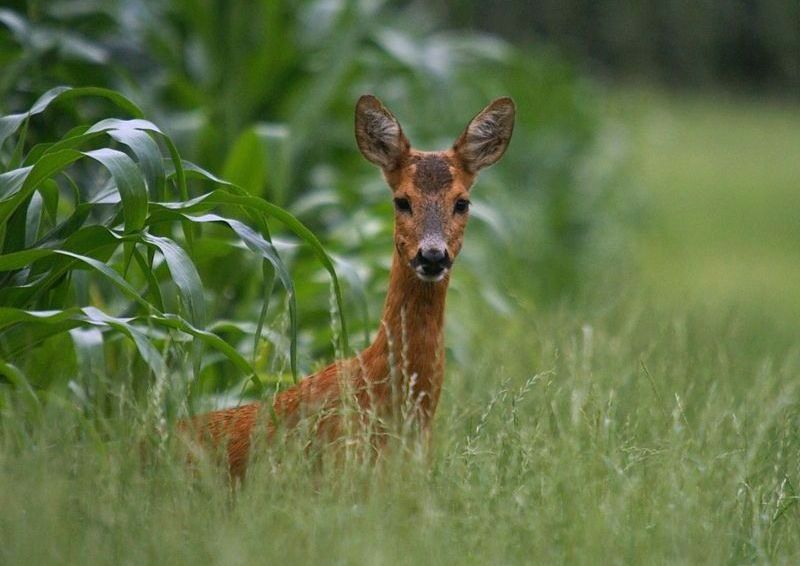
(152, 282)
(17, 185)
(50, 198)
(76, 141)
(185, 276)
(149, 158)
(129, 182)
(16, 156)
(11, 181)
(16, 227)
(11, 123)
(118, 124)
(33, 219)
(20, 259)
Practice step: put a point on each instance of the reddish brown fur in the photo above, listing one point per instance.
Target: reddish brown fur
(406, 359)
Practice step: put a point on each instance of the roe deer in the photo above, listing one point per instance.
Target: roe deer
(431, 201)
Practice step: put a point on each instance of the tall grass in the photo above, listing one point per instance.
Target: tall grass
(621, 435)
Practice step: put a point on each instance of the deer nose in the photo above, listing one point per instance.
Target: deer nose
(433, 260)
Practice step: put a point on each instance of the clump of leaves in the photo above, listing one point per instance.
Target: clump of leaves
(103, 232)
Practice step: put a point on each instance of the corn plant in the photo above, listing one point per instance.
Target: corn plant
(102, 231)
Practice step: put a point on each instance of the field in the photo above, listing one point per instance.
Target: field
(723, 182)
(654, 420)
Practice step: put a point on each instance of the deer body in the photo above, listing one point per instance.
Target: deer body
(405, 362)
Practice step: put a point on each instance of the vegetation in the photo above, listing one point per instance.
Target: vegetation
(614, 433)
(622, 351)
(122, 230)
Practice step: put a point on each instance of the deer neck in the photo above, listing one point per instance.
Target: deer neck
(409, 345)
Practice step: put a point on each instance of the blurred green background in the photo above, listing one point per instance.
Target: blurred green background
(635, 255)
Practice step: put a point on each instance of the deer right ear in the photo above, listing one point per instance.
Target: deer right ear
(378, 134)
(487, 135)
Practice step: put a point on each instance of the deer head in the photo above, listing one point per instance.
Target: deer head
(431, 188)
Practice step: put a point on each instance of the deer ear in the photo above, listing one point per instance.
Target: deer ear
(378, 134)
(486, 137)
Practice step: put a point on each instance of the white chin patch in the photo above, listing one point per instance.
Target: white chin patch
(431, 278)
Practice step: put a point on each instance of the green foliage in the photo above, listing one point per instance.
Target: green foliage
(102, 238)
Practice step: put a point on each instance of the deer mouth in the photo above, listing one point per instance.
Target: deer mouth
(430, 274)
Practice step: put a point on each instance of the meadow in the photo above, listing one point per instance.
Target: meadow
(622, 351)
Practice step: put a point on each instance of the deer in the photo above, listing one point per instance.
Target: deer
(430, 191)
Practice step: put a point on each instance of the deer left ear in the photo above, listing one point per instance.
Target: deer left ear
(379, 135)
(486, 137)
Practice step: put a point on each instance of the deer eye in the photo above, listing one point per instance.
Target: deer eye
(461, 206)
(402, 205)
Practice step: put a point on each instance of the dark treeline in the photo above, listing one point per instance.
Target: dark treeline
(743, 43)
